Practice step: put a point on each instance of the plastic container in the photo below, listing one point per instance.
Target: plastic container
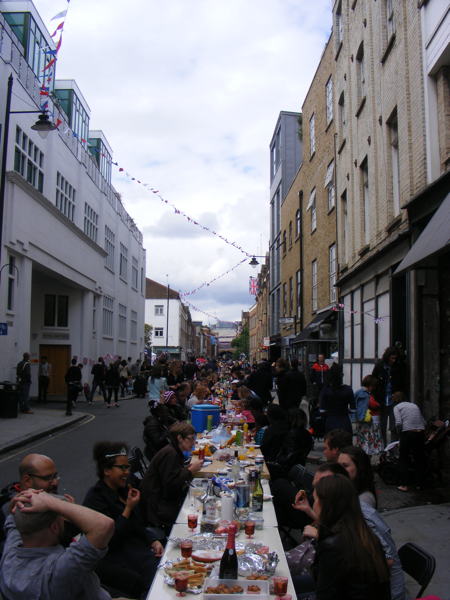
(199, 416)
(244, 583)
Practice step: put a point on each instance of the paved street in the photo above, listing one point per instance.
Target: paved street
(71, 448)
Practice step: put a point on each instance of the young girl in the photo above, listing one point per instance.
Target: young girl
(368, 433)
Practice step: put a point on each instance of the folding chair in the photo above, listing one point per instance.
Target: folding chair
(138, 464)
(418, 564)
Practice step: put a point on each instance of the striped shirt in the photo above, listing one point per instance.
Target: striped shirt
(408, 416)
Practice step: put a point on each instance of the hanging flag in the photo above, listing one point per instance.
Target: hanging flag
(61, 14)
(253, 286)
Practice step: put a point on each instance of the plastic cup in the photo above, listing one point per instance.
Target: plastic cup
(280, 586)
(192, 521)
(186, 548)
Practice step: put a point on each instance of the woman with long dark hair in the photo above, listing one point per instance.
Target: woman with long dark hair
(357, 464)
(350, 562)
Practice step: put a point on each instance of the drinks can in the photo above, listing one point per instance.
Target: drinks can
(242, 495)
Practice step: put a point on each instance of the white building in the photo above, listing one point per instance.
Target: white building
(72, 259)
(173, 332)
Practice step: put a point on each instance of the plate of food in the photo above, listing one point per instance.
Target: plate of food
(207, 556)
(194, 572)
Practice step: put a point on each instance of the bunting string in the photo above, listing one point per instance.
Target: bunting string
(208, 283)
(341, 308)
(215, 317)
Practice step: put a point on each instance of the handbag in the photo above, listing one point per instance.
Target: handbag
(301, 558)
(368, 416)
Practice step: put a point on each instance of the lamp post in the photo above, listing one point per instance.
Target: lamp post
(43, 125)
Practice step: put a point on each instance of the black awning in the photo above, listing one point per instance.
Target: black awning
(309, 332)
(433, 239)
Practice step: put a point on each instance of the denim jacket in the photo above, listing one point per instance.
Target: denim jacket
(362, 397)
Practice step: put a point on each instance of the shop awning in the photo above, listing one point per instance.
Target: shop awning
(433, 239)
(313, 327)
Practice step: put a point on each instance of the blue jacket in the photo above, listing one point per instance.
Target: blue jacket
(362, 397)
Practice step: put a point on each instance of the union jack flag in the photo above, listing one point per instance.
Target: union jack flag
(253, 286)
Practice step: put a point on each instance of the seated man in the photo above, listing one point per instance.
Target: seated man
(35, 565)
(333, 443)
(35, 471)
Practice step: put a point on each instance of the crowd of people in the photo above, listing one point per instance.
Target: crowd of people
(120, 529)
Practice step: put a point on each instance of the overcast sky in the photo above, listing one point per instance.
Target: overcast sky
(187, 92)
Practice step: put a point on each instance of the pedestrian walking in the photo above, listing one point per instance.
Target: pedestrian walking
(23, 375)
(73, 381)
(43, 378)
(124, 374)
(99, 373)
(112, 385)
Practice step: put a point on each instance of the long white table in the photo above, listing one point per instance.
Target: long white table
(269, 536)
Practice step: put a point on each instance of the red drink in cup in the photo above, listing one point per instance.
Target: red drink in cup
(181, 583)
(201, 453)
(280, 585)
(186, 548)
(250, 528)
(192, 521)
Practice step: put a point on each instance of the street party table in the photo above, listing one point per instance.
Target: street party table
(268, 536)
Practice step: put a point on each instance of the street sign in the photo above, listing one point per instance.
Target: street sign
(3, 328)
(286, 320)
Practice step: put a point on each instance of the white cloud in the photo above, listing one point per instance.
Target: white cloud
(187, 93)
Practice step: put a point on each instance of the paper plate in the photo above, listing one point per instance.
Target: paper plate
(207, 556)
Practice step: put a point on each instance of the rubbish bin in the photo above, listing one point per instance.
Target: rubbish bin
(9, 400)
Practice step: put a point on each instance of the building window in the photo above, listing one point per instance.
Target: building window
(338, 25)
(332, 263)
(133, 326)
(110, 245)
(291, 296)
(159, 310)
(345, 226)
(329, 186)
(29, 160)
(90, 222)
(329, 99)
(275, 153)
(142, 280)
(392, 126)
(314, 285)
(94, 315)
(312, 134)
(283, 243)
(122, 322)
(76, 114)
(290, 234)
(56, 311)
(108, 316)
(389, 19)
(134, 273)
(159, 332)
(297, 222)
(312, 207)
(342, 115)
(284, 299)
(361, 73)
(65, 197)
(12, 272)
(123, 267)
(298, 285)
(364, 174)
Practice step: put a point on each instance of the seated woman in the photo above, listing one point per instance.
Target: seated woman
(349, 561)
(134, 551)
(275, 433)
(167, 480)
(357, 464)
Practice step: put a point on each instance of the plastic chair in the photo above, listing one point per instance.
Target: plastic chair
(418, 564)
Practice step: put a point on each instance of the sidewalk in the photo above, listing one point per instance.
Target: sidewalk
(47, 419)
(27, 428)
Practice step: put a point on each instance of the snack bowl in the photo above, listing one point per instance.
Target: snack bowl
(227, 589)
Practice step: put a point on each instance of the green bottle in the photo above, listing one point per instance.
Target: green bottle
(258, 495)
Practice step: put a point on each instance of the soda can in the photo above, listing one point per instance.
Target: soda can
(242, 495)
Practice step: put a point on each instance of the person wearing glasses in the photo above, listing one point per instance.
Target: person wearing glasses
(134, 550)
(167, 479)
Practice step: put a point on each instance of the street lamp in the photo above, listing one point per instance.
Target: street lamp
(43, 125)
(254, 263)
